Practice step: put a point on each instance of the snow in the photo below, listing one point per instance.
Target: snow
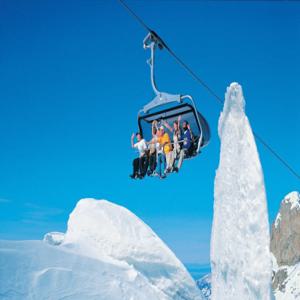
(240, 256)
(292, 284)
(293, 199)
(54, 238)
(277, 220)
(36, 270)
(204, 285)
(275, 266)
(106, 253)
(103, 229)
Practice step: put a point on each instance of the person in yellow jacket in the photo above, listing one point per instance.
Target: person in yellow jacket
(165, 153)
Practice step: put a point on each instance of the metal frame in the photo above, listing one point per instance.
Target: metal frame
(152, 41)
(190, 110)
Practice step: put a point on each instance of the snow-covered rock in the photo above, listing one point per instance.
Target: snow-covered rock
(287, 280)
(240, 256)
(293, 200)
(285, 247)
(107, 253)
(285, 240)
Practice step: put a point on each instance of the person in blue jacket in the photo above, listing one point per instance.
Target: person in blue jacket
(187, 138)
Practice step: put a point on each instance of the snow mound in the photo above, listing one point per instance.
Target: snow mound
(106, 253)
(240, 256)
(54, 238)
(102, 229)
(37, 271)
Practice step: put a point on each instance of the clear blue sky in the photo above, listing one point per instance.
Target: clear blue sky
(73, 76)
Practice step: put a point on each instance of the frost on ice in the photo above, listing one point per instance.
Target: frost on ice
(106, 253)
(240, 257)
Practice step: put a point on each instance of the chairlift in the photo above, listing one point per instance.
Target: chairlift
(167, 107)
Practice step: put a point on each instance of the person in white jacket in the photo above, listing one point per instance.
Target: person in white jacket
(139, 168)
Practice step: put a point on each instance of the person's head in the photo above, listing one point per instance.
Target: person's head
(185, 124)
(175, 125)
(139, 136)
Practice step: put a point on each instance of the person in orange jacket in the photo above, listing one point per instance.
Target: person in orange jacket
(164, 154)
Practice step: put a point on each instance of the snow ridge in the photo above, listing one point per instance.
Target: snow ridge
(103, 229)
(106, 253)
(240, 257)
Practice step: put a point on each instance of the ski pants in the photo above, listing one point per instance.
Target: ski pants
(152, 162)
(170, 160)
(140, 165)
(161, 164)
(180, 156)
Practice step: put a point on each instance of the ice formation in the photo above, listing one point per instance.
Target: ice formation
(240, 256)
(106, 253)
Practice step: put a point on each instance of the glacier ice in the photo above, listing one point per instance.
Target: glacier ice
(106, 253)
(240, 256)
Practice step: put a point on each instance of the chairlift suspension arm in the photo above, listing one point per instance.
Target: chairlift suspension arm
(152, 40)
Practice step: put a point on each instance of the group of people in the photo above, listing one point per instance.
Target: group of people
(160, 155)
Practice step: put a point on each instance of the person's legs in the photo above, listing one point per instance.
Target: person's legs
(169, 159)
(164, 164)
(158, 164)
(146, 164)
(180, 160)
(190, 151)
(143, 165)
(167, 155)
(174, 158)
(135, 165)
(152, 162)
